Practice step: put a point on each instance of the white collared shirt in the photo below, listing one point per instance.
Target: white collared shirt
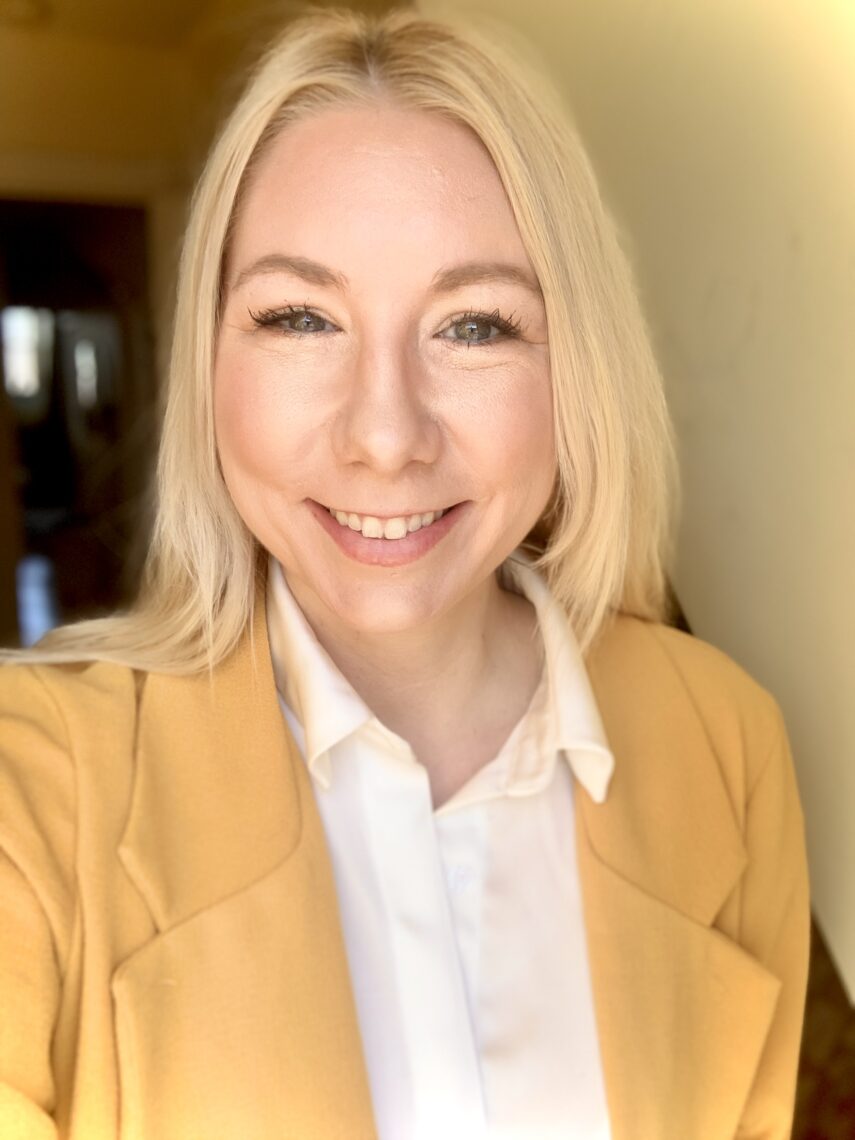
(463, 925)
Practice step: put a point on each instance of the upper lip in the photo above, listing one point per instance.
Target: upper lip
(385, 517)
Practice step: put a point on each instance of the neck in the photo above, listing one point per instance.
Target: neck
(442, 673)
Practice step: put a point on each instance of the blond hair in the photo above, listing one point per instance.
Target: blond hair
(604, 539)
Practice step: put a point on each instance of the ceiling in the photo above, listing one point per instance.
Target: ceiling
(154, 23)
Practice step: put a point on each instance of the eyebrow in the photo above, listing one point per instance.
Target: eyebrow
(444, 281)
(477, 272)
(311, 271)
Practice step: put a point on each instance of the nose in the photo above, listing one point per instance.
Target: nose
(385, 421)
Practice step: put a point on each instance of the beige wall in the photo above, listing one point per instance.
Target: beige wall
(64, 94)
(723, 134)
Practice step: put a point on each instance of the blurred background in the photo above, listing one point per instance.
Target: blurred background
(723, 133)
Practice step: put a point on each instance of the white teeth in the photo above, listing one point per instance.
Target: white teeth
(373, 527)
(395, 528)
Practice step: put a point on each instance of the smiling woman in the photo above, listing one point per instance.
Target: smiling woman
(393, 809)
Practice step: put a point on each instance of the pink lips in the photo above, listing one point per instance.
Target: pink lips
(386, 551)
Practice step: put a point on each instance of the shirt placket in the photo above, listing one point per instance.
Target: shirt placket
(447, 1094)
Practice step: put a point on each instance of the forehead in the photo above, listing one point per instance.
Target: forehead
(346, 177)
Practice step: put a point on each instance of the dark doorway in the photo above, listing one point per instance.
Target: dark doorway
(77, 437)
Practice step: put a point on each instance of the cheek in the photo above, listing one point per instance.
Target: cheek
(512, 436)
(258, 424)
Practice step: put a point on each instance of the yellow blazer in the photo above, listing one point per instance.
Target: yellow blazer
(172, 965)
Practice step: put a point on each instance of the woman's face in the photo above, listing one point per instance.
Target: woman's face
(383, 352)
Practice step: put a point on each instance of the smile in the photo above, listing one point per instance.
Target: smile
(371, 526)
(388, 542)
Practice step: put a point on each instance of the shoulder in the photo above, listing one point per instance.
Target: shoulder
(64, 699)
(54, 721)
(66, 757)
(673, 675)
(50, 715)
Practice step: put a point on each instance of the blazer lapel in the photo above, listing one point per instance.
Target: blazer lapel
(237, 1018)
(682, 1010)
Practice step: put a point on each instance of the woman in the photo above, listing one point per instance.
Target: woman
(292, 849)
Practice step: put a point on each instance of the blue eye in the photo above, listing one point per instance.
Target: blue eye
(292, 320)
(476, 328)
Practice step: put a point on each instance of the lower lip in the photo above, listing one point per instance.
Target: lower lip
(386, 551)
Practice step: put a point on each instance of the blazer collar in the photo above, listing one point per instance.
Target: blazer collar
(678, 1005)
(682, 1011)
(215, 804)
(668, 826)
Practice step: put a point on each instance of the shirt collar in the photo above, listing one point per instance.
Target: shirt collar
(311, 684)
(566, 698)
(329, 709)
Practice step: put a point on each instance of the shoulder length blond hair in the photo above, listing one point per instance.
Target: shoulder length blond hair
(604, 537)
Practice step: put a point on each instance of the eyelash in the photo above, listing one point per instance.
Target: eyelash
(509, 327)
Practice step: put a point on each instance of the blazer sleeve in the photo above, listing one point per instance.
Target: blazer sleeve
(37, 811)
(775, 928)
